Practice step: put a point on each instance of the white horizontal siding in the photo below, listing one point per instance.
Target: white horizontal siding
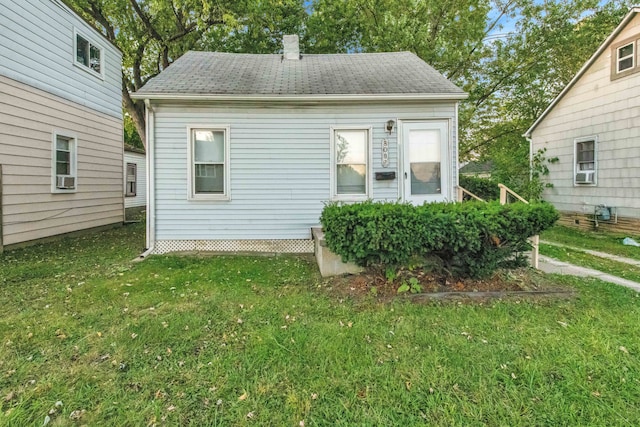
(140, 198)
(28, 118)
(609, 110)
(280, 167)
(37, 48)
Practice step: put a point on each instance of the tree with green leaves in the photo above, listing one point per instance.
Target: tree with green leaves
(510, 77)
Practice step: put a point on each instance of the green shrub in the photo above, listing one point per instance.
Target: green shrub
(471, 239)
(485, 188)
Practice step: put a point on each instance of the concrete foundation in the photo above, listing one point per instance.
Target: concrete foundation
(329, 263)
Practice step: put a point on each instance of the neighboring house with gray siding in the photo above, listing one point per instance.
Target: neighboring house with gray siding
(593, 128)
(135, 179)
(61, 151)
(246, 149)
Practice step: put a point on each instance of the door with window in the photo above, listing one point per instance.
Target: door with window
(425, 167)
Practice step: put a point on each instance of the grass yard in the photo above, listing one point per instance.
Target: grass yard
(593, 240)
(89, 338)
(577, 257)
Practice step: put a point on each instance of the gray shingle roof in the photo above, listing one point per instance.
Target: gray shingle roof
(213, 73)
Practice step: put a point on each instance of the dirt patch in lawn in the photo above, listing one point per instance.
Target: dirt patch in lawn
(422, 284)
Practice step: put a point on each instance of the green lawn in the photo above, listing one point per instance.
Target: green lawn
(260, 341)
(593, 240)
(576, 257)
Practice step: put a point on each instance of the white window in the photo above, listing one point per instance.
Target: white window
(625, 58)
(88, 55)
(350, 160)
(64, 163)
(132, 179)
(585, 161)
(209, 163)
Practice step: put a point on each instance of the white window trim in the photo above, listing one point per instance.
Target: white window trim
(83, 67)
(126, 179)
(333, 179)
(632, 56)
(74, 160)
(191, 195)
(595, 160)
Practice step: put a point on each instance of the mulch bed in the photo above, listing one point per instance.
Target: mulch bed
(519, 283)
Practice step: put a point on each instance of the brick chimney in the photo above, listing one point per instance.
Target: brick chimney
(291, 47)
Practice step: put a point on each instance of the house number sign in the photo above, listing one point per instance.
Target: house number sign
(385, 153)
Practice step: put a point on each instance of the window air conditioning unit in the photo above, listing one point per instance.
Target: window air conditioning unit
(585, 177)
(65, 182)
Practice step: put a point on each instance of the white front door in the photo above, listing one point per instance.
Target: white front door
(425, 167)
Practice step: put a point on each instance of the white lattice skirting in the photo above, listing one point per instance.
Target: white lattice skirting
(269, 246)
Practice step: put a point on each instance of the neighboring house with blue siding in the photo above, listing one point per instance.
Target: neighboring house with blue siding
(135, 180)
(61, 150)
(593, 128)
(245, 149)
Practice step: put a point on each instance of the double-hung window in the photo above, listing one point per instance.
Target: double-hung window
(132, 179)
(585, 161)
(209, 163)
(350, 153)
(64, 167)
(624, 58)
(88, 55)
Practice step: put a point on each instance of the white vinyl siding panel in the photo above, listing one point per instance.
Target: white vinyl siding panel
(279, 164)
(596, 106)
(140, 198)
(37, 48)
(28, 118)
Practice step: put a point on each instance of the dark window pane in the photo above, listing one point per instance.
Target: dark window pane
(94, 55)
(63, 163)
(82, 50)
(625, 51)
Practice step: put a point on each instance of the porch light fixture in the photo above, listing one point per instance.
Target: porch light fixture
(389, 126)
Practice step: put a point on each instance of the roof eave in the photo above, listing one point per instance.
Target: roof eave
(300, 98)
(629, 16)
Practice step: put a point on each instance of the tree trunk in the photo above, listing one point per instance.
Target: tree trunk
(136, 110)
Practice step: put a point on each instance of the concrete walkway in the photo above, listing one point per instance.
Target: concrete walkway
(550, 265)
(630, 261)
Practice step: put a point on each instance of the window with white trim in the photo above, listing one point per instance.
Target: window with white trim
(64, 165)
(88, 55)
(209, 163)
(625, 58)
(350, 163)
(132, 180)
(585, 161)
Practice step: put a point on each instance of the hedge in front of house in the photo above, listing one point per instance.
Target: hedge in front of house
(471, 239)
(485, 188)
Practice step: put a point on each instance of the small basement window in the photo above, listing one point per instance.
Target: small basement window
(585, 161)
(88, 55)
(132, 178)
(64, 163)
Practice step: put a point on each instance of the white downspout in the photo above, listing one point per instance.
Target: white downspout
(150, 160)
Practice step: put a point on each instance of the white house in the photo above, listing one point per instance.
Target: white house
(135, 179)
(60, 123)
(245, 149)
(593, 128)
